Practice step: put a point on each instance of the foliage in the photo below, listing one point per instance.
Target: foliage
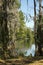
(5, 20)
(24, 35)
(12, 27)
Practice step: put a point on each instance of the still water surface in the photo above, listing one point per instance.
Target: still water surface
(31, 50)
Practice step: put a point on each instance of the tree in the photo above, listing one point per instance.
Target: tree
(5, 12)
(4, 30)
(39, 31)
(23, 33)
(13, 22)
(39, 37)
(35, 27)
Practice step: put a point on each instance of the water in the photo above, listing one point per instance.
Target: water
(30, 50)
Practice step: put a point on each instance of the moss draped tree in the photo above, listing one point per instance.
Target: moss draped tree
(4, 14)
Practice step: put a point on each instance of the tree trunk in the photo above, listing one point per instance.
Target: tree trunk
(35, 27)
(39, 30)
(5, 36)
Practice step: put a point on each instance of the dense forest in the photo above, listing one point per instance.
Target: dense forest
(14, 34)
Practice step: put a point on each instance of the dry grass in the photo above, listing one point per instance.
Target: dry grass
(24, 61)
(2, 61)
(40, 62)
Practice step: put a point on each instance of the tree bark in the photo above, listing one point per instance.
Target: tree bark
(35, 27)
(5, 36)
(39, 30)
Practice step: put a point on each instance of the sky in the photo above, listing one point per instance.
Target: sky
(28, 11)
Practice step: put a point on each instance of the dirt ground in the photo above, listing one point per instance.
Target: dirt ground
(40, 62)
(23, 61)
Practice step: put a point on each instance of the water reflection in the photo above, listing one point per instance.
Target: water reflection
(31, 50)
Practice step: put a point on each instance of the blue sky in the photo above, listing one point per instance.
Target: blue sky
(28, 10)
